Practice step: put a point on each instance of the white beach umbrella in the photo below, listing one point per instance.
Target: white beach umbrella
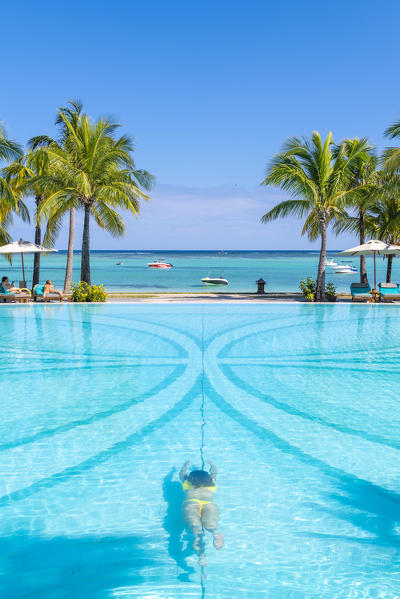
(23, 247)
(372, 248)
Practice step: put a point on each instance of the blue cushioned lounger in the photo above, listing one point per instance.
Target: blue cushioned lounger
(360, 291)
(389, 291)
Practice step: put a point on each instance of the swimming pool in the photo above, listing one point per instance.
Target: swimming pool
(298, 407)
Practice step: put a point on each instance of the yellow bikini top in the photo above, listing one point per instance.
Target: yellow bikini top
(186, 485)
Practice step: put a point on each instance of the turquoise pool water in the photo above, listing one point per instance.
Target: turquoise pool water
(299, 409)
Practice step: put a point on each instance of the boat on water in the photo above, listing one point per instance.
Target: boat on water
(331, 262)
(345, 269)
(159, 263)
(214, 280)
(119, 263)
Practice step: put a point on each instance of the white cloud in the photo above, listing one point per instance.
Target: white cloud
(200, 218)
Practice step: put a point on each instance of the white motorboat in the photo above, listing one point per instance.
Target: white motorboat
(331, 262)
(214, 280)
(345, 270)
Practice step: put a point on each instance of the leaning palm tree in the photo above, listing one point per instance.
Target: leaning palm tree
(10, 200)
(318, 182)
(95, 172)
(366, 181)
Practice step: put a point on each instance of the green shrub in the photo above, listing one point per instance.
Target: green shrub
(330, 291)
(82, 292)
(307, 288)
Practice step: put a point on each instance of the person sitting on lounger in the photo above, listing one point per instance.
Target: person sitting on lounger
(7, 287)
(48, 289)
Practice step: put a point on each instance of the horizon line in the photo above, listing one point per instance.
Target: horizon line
(144, 251)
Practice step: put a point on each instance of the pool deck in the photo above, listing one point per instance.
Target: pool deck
(211, 297)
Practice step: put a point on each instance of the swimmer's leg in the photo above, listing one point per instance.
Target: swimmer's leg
(209, 519)
(191, 517)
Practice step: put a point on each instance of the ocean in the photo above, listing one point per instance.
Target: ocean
(282, 270)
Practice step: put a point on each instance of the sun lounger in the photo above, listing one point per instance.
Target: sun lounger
(389, 291)
(49, 296)
(22, 298)
(360, 291)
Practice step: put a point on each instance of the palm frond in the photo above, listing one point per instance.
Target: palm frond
(108, 219)
(287, 208)
(393, 130)
(9, 149)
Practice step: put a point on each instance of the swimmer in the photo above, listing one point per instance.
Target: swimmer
(198, 510)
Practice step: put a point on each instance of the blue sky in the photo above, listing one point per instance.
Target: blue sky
(209, 89)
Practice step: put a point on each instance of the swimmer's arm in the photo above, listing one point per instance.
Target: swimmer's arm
(183, 470)
(213, 470)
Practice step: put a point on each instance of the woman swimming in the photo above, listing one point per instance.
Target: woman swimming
(198, 510)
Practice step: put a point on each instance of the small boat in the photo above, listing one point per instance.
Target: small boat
(214, 280)
(119, 263)
(159, 264)
(345, 270)
(331, 263)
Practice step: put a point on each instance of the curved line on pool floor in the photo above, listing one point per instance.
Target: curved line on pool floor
(103, 456)
(324, 365)
(164, 384)
(228, 346)
(196, 340)
(285, 447)
(284, 407)
(75, 368)
(181, 351)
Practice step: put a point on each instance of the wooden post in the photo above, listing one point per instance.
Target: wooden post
(375, 271)
(23, 268)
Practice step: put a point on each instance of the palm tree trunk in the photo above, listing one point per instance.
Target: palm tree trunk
(389, 268)
(320, 288)
(85, 260)
(38, 241)
(363, 263)
(70, 253)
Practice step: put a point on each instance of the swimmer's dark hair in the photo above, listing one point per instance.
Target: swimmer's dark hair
(4, 279)
(200, 478)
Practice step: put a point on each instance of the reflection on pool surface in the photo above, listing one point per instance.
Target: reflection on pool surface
(101, 405)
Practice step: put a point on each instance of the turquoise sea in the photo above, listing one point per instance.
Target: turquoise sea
(297, 405)
(282, 270)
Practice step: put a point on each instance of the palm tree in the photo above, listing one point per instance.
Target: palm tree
(67, 120)
(10, 200)
(22, 174)
(384, 224)
(387, 211)
(93, 171)
(365, 180)
(318, 182)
